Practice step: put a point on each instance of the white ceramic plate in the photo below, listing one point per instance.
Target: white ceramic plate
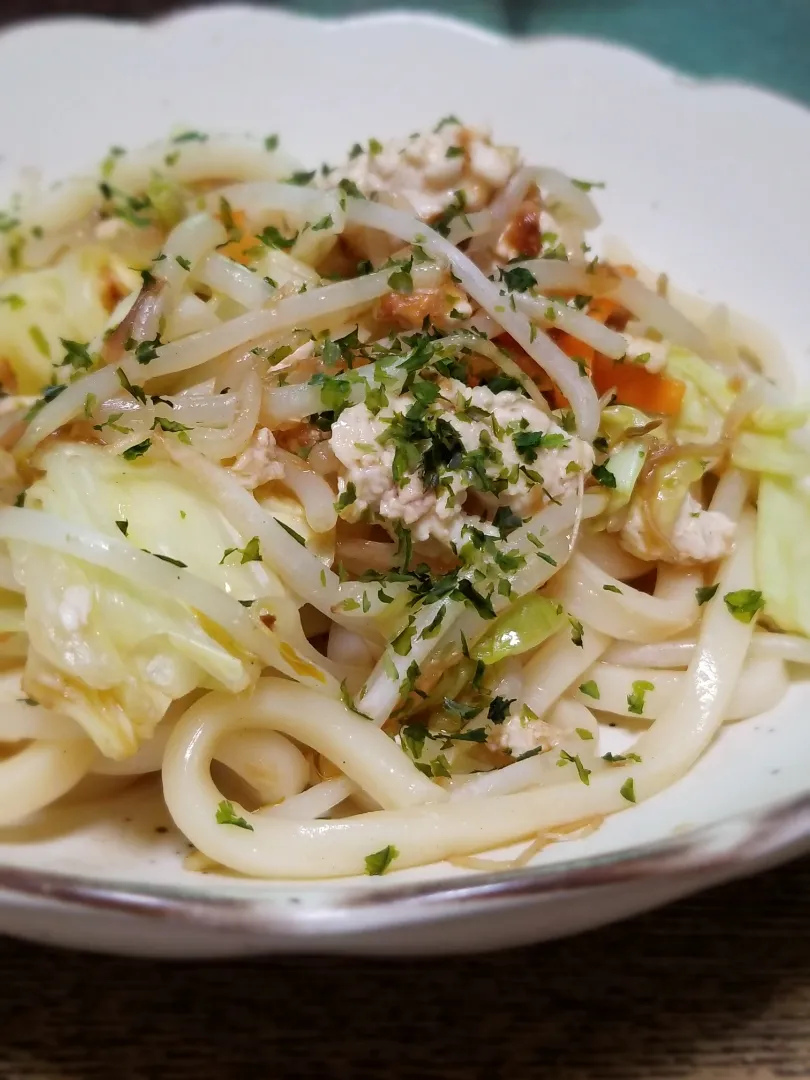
(706, 180)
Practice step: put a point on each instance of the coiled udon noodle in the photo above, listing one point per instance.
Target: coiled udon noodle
(445, 521)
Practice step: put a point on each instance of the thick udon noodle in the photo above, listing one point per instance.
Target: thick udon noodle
(328, 782)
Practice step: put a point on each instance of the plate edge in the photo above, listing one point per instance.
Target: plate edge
(493, 37)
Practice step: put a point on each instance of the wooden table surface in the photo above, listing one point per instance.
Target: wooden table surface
(715, 988)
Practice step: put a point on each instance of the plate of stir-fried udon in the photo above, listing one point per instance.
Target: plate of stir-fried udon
(368, 515)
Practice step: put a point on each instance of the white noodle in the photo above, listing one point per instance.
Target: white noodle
(316, 802)
(317, 742)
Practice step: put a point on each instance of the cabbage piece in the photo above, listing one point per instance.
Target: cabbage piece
(627, 458)
(777, 420)
(164, 511)
(783, 552)
(708, 396)
(71, 300)
(770, 454)
(625, 464)
(168, 200)
(656, 507)
(522, 627)
(617, 420)
(105, 649)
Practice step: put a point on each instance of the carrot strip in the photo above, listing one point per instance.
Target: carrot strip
(239, 250)
(633, 384)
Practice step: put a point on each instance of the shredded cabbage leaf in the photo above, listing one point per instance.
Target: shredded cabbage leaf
(707, 399)
(783, 552)
(72, 300)
(524, 626)
(112, 652)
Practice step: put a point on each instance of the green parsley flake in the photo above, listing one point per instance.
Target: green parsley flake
(583, 773)
(612, 588)
(628, 790)
(296, 536)
(348, 187)
(347, 497)
(165, 558)
(226, 815)
(271, 143)
(705, 593)
(604, 476)
(173, 426)
(620, 759)
(380, 861)
(412, 738)
(272, 238)
(325, 223)
(401, 643)
(577, 630)
(14, 301)
(190, 136)
(112, 423)
(744, 604)
(132, 389)
(47, 395)
(433, 627)
(183, 262)
(635, 699)
(301, 179)
(401, 282)
(527, 443)
(590, 689)
(122, 526)
(77, 354)
(459, 708)
(519, 279)
(145, 351)
(40, 341)
(499, 709)
(136, 451)
(438, 767)
(249, 553)
(583, 732)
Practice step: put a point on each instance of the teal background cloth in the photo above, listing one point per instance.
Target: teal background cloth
(760, 41)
